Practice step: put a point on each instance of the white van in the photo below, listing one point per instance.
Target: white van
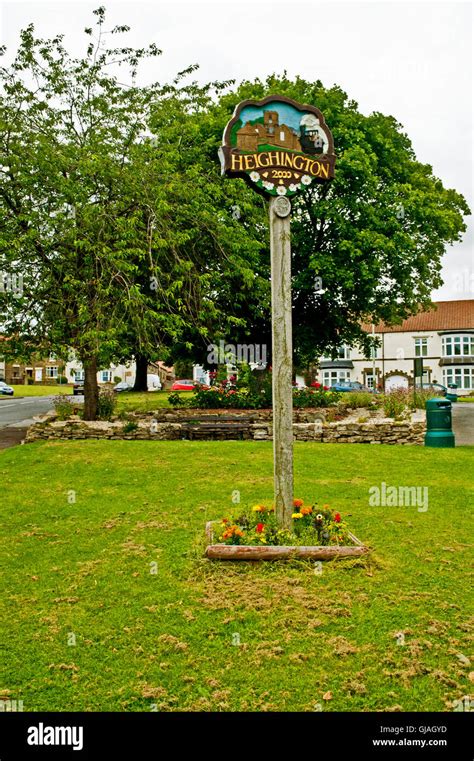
(154, 383)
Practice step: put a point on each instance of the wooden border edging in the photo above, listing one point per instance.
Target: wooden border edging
(275, 552)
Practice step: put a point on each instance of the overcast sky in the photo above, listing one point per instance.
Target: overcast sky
(413, 60)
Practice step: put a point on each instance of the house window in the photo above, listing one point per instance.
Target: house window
(78, 375)
(457, 346)
(51, 372)
(463, 377)
(373, 352)
(421, 347)
(106, 376)
(344, 352)
(335, 376)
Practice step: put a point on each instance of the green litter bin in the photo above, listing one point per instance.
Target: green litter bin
(439, 423)
(451, 396)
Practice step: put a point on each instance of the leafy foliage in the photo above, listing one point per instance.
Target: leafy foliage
(107, 404)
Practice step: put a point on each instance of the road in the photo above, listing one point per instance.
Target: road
(463, 423)
(18, 412)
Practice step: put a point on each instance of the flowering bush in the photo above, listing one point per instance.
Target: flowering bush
(251, 397)
(314, 397)
(311, 526)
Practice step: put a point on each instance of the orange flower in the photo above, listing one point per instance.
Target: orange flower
(297, 502)
(306, 510)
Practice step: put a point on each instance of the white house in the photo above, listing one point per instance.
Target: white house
(74, 372)
(443, 337)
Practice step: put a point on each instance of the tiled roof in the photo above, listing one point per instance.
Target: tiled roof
(447, 315)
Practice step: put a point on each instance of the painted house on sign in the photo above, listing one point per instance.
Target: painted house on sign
(254, 134)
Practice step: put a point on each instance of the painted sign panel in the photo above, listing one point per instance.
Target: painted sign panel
(278, 145)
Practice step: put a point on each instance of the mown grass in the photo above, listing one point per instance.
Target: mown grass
(43, 390)
(168, 640)
(145, 402)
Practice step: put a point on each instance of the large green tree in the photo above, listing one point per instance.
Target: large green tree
(131, 243)
(111, 223)
(374, 235)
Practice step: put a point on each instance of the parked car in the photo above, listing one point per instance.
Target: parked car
(437, 387)
(349, 386)
(153, 383)
(123, 386)
(78, 388)
(183, 385)
(6, 390)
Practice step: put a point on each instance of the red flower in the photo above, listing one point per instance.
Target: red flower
(337, 517)
(260, 528)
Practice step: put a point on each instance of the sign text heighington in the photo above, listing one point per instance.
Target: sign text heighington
(247, 162)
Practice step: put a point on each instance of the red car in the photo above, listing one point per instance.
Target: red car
(183, 385)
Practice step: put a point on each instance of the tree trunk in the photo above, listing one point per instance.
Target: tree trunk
(91, 389)
(141, 383)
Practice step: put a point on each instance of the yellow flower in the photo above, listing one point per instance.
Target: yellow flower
(258, 508)
(297, 515)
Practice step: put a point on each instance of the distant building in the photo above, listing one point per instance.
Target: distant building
(251, 136)
(443, 337)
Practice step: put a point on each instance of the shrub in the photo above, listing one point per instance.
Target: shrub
(61, 379)
(176, 400)
(358, 399)
(106, 404)
(64, 408)
(129, 427)
(395, 404)
(310, 397)
(417, 401)
(117, 379)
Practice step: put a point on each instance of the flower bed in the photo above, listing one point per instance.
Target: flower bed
(317, 533)
(253, 397)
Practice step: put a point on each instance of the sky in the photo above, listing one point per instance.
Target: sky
(413, 60)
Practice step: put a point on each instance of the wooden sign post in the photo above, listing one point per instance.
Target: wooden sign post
(280, 148)
(282, 359)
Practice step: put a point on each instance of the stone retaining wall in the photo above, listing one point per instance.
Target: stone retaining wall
(149, 429)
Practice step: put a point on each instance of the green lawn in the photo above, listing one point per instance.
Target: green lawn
(42, 390)
(164, 640)
(146, 402)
